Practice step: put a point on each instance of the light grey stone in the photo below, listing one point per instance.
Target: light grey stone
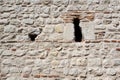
(27, 70)
(111, 71)
(15, 70)
(86, 29)
(74, 72)
(13, 16)
(46, 10)
(27, 1)
(10, 1)
(20, 53)
(22, 38)
(11, 78)
(5, 15)
(28, 21)
(19, 1)
(94, 62)
(55, 37)
(57, 2)
(38, 63)
(81, 62)
(6, 62)
(36, 70)
(5, 70)
(10, 29)
(44, 15)
(65, 2)
(4, 21)
(116, 62)
(36, 1)
(33, 53)
(7, 53)
(46, 2)
(48, 29)
(1, 50)
(8, 9)
(68, 33)
(66, 71)
(25, 16)
(64, 63)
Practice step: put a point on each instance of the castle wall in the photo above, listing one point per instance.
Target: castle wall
(54, 54)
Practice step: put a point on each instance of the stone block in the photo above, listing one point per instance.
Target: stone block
(88, 28)
(111, 72)
(5, 15)
(10, 29)
(4, 21)
(7, 53)
(74, 72)
(59, 28)
(95, 62)
(68, 33)
(27, 70)
(81, 62)
(20, 53)
(28, 21)
(116, 62)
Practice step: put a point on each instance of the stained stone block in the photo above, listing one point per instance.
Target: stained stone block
(59, 28)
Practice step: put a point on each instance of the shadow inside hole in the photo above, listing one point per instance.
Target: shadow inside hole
(32, 36)
(77, 30)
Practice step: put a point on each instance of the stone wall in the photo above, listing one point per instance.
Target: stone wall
(54, 55)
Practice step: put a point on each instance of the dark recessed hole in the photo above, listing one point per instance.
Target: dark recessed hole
(77, 30)
(32, 36)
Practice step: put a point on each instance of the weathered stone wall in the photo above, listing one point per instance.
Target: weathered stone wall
(54, 55)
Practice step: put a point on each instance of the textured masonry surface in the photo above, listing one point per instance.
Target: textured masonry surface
(54, 55)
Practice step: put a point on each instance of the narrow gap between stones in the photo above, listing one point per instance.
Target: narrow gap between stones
(77, 30)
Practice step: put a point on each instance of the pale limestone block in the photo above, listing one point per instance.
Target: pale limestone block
(88, 30)
(59, 28)
(68, 33)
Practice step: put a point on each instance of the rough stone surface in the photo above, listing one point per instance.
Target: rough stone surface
(54, 55)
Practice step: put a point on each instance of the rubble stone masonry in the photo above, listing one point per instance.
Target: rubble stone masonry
(37, 40)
